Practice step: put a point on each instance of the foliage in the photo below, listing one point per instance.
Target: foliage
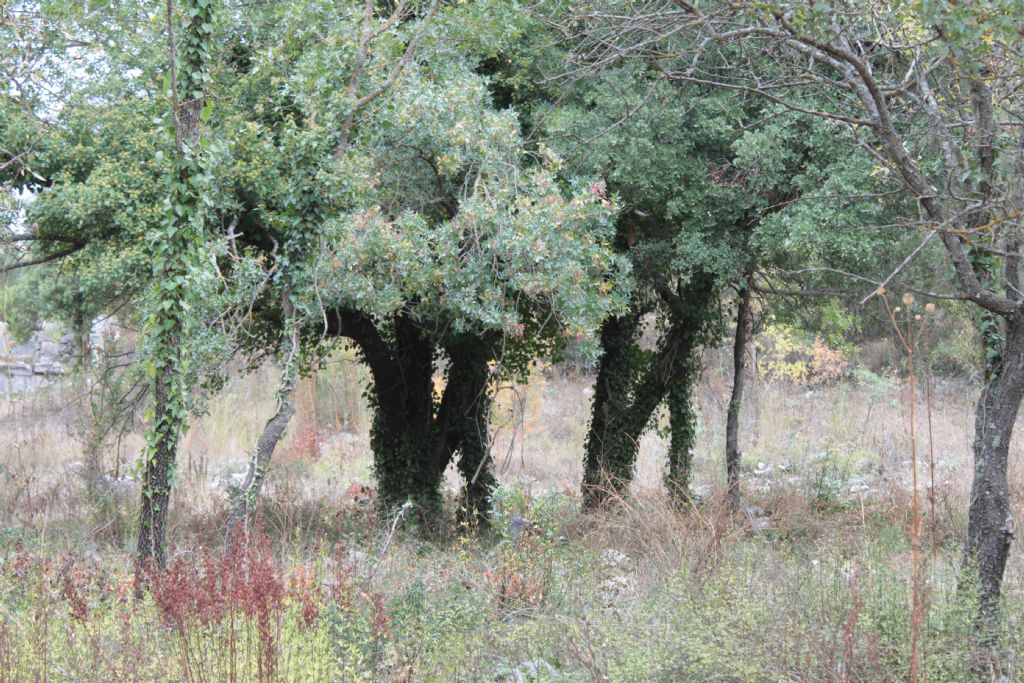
(180, 279)
(759, 608)
(785, 355)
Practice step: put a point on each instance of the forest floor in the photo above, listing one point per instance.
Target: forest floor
(811, 583)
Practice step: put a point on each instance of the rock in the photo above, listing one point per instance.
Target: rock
(700, 491)
(613, 559)
(25, 367)
(758, 518)
(614, 587)
(531, 671)
(48, 367)
(121, 485)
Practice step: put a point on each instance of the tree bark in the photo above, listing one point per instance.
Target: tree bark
(631, 384)
(402, 435)
(990, 522)
(682, 428)
(414, 437)
(732, 421)
(244, 500)
(463, 423)
(609, 457)
(168, 321)
(156, 486)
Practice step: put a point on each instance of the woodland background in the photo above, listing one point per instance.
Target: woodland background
(514, 341)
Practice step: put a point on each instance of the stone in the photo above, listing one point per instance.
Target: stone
(613, 559)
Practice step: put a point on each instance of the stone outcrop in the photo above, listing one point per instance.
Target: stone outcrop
(46, 356)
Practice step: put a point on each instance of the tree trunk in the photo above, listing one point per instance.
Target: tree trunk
(610, 455)
(244, 499)
(414, 437)
(467, 428)
(401, 435)
(157, 481)
(632, 383)
(405, 473)
(243, 502)
(175, 256)
(680, 356)
(990, 522)
(682, 430)
(732, 422)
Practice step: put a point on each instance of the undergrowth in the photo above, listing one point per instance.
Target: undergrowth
(641, 593)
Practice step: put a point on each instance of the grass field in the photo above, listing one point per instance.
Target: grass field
(811, 584)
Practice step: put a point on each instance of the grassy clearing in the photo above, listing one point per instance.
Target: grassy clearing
(811, 585)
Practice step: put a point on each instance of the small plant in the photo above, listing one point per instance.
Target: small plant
(829, 483)
(231, 603)
(521, 578)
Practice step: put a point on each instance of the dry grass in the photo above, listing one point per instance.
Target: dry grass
(811, 585)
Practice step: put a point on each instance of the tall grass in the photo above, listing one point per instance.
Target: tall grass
(816, 586)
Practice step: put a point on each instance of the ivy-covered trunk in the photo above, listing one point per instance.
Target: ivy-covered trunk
(682, 420)
(632, 383)
(158, 474)
(176, 254)
(415, 435)
(610, 452)
(464, 424)
(990, 521)
(401, 434)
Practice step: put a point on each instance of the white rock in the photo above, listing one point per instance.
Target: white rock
(614, 587)
(613, 559)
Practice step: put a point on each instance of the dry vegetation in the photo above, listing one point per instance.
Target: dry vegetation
(812, 585)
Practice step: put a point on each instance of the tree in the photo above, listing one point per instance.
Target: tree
(927, 90)
(744, 328)
(465, 254)
(367, 190)
(713, 185)
(653, 149)
(178, 260)
(436, 244)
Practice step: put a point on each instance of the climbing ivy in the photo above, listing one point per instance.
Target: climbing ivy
(178, 257)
